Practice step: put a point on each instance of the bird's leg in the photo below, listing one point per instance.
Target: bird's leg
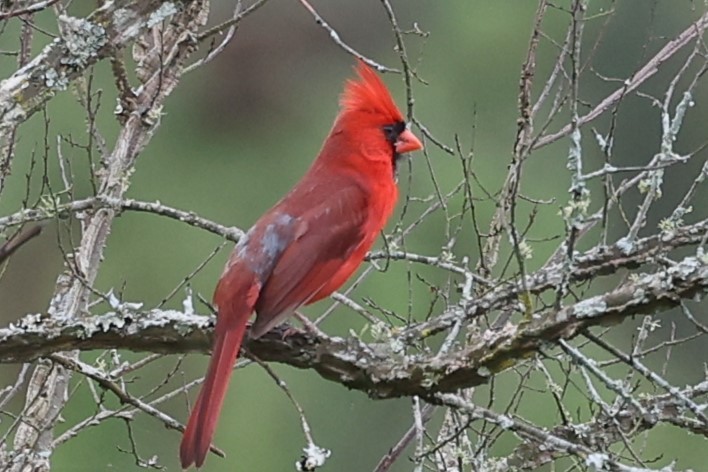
(307, 325)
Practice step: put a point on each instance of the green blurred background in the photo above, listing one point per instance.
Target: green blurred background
(240, 131)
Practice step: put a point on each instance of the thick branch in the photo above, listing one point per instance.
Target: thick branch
(373, 368)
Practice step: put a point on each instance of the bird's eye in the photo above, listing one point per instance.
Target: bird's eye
(392, 132)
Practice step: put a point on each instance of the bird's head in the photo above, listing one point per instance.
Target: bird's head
(370, 117)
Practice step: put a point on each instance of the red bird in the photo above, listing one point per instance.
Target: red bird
(310, 242)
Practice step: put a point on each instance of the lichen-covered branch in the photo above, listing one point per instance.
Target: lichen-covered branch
(83, 41)
(601, 260)
(605, 430)
(112, 26)
(370, 367)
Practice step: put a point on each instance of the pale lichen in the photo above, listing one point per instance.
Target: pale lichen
(596, 460)
(484, 372)
(525, 249)
(493, 464)
(589, 308)
(83, 39)
(505, 422)
(625, 245)
(55, 80)
(313, 457)
(702, 255)
(165, 10)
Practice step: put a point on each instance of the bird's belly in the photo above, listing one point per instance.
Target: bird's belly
(345, 271)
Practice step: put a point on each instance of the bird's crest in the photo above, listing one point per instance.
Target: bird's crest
(368, 94)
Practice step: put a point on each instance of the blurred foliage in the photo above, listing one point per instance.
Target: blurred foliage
(240, 131)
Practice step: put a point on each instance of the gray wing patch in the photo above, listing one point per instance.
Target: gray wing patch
(265, 243)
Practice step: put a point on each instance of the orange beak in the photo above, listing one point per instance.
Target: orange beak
(407, 142)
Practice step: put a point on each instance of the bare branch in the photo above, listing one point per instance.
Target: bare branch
(642, 75)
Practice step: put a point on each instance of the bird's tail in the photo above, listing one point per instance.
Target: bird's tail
(235, 300)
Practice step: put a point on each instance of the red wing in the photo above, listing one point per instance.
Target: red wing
(330, 231)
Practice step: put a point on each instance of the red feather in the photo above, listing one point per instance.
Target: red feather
(309, 243)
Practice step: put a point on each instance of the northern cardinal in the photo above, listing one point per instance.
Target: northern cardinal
(310, 242)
